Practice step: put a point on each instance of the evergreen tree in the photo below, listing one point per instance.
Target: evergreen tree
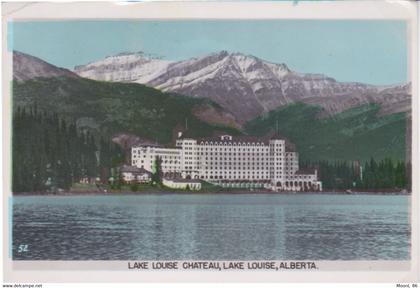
(49, 153)
(386, 174)
(157, 171)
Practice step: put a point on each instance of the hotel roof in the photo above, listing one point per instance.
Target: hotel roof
(290, 147)
(134, 169)
(234, 139)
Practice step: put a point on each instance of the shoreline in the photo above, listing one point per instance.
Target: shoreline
(221, 192)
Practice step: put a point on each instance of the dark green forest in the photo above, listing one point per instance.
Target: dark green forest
(109, 108)
(50, 153)
(369, 175)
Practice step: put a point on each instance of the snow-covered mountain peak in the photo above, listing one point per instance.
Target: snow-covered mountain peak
(249, 62)
(244, 85)
(124, 67)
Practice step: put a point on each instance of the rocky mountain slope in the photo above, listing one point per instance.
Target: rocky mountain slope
(27, 67)
(245, 85)
(355, 134)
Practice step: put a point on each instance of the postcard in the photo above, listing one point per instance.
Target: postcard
(210, 141)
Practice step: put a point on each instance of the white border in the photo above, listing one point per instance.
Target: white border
(401, 10)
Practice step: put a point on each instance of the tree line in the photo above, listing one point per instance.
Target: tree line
(50, 153)
(371, 175)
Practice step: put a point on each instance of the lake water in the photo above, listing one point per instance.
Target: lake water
(212, 227)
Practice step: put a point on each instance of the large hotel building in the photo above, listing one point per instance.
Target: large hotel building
(231, 161)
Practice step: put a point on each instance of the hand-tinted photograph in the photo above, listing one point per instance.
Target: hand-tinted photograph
(210, 140)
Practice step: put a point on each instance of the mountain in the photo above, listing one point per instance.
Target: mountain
(355, 134)
(246, 85)
(27, 67)
(130, 113)
(110, 109)
(124, 67)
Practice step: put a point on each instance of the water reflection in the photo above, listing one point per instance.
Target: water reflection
(212, 227)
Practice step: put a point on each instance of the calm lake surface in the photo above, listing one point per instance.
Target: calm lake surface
(212, 227)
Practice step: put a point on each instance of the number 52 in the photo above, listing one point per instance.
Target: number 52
(23, 248)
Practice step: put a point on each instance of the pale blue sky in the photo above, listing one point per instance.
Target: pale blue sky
(364, 51)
